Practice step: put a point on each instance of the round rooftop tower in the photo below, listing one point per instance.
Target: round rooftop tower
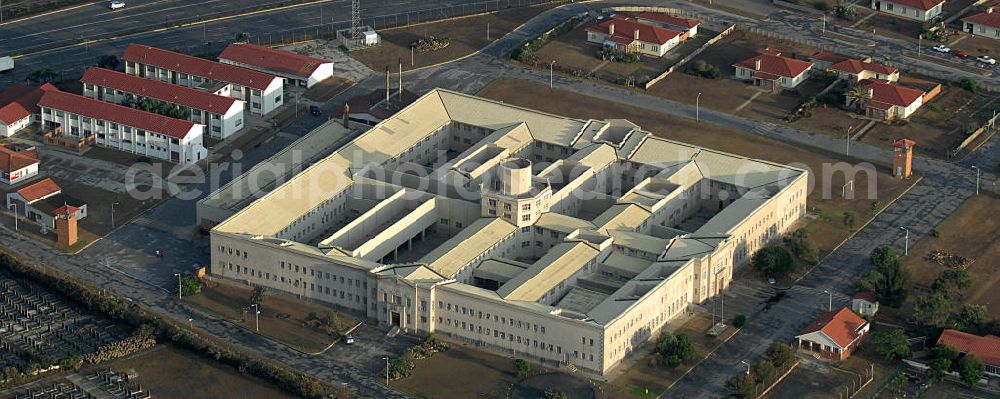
(515, 176)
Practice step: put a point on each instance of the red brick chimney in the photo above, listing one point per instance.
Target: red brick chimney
(756, 64)
(636, 34)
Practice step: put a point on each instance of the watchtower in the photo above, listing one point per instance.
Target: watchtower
(902, 158)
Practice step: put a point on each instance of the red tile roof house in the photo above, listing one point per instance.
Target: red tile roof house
(221, 115)
(889, 101)
(986, 24)
(629, 36)
(918, 10)
(39, 202)
(19, 107)
(834, 335)
(17, 166)
(773, 71)
(858, 70)
(264, 93)
(986, 348)
(689, 27)
(297, 69)
(123, 128)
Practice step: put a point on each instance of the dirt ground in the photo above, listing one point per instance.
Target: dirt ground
(728, 94)
(282, 319)
(467, 35)
(827, 229)
(572, 52)
(891, 26)
(965, 234)
(447, 375)
(168, 372)
(938, 127)
(647, 379)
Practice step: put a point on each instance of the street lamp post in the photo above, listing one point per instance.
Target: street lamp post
(551, 64)
(113, 214)
(13, 208)
(906, 241)
(256, 317)
(190, 323)
(977, 178)
(180, 293)
(747, 364)
(386, 370)
(697, 107)
(847, 152)
(920, 40)
(829, 306)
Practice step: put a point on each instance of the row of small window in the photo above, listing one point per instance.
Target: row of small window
(551, 147)
(223, 249)
(100, 123)
(496, 318)
(512, 338)
(446, 221)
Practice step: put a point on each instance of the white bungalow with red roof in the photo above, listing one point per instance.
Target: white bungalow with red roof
(888, 101)
(689, 27)
(858, 70)
(123, 128)
(19, 107)
(221, 115)
(297, 69)
(986, 348)
(918, 10)
(263, 92)
(17, 165)
(986, 24)
(629, 36)
(40, 201)
(834, 335)
(773, 71)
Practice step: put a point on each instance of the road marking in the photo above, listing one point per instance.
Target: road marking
(748, 101)
(49, 13)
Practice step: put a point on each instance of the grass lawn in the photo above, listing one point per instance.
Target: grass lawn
(282, 319)
(466, 35)
(890, 26)
(827, 227)
(647, 378)
(450, 374)
(970, 234)
(169, 372)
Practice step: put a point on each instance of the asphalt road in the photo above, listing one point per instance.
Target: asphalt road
(93, 21)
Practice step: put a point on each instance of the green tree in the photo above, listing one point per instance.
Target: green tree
(951, 282)
(969, 84)
(971, 369)
(850, 219)
(110, 61)
(742, 385)
(674, 349)
(773, 261)
(190, 286)
(858, 98)
(969, 318)
(779, 354)
(765, 371)
(931, 309)
(802, 246)
(739, 321)
(258, 295)
(521, 368)
(42, 76)
(888, 279)
(937, 368)
(891, 344)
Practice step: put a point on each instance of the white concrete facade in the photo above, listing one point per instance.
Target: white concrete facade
(637, 229)
(260, 102)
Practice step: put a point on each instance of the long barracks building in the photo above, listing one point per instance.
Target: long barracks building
(561, 240)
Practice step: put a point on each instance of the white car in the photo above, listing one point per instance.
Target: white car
(116, 4)
(986, 59)
(941, 48)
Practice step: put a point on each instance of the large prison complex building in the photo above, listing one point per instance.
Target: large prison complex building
(263, 92)
(570, 242)
(221, 115)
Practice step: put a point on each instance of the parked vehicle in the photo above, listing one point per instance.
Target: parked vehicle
(960, 54)
(116, 4)
(349, 339)
(6, 64)
(941, 48)
(986, 59)
(315, 110)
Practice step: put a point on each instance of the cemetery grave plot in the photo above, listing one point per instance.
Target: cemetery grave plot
(39, 327)
(104, 384)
